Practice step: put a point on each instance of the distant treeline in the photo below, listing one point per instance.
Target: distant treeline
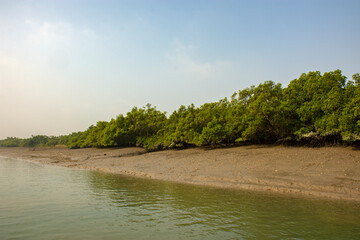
(312, 109)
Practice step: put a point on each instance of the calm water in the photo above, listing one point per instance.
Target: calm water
(45, 202)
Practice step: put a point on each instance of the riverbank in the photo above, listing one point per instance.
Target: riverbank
(332, 172)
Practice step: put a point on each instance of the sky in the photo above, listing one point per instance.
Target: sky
(64, 65)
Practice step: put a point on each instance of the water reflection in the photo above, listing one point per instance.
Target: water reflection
(47, 202)
(193, 211)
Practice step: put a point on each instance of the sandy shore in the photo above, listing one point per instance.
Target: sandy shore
(332, 172)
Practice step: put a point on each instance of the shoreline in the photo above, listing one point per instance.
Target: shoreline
(327, 172)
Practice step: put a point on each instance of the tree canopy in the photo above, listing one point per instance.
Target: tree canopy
(311, 105)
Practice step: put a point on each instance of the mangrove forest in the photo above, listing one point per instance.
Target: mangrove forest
(313, 109)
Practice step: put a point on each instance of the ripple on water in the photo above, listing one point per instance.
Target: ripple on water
(45, 202)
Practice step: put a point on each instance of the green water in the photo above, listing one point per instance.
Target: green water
(46, 202)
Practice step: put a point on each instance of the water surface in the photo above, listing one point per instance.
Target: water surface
(48, 202)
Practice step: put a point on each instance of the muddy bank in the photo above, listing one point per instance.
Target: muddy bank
(332, 172)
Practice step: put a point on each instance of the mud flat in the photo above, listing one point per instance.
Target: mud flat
(331, 172)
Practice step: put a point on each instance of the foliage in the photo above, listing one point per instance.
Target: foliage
(10, 142)
(312, 108)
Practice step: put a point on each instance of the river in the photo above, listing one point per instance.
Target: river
(48, 202)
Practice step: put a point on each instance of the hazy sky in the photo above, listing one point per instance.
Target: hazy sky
(65, 65)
